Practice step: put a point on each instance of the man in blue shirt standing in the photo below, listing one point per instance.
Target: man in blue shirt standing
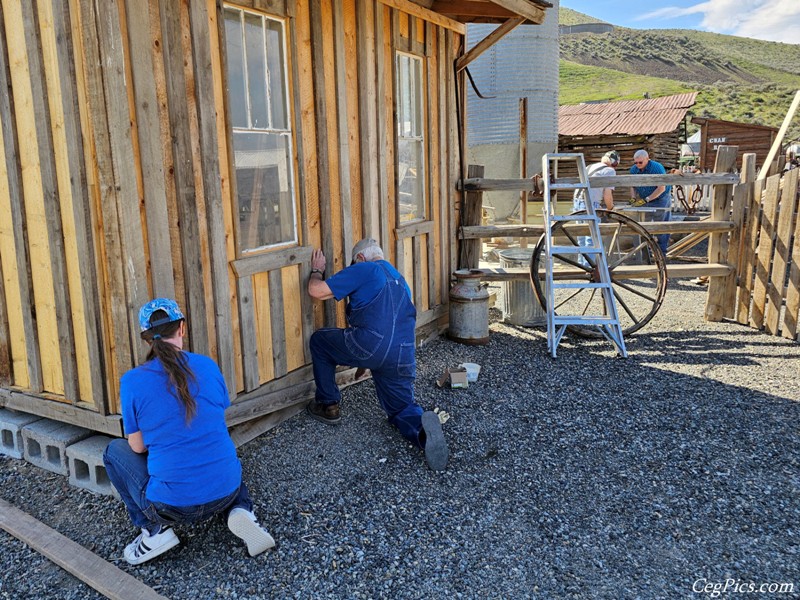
(658, 197)
(380, 337)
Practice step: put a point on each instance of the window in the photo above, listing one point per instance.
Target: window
(262, 137)
(410, 139)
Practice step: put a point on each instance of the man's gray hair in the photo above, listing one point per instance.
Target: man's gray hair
(640, 154)
(368, 248)
(372, 253)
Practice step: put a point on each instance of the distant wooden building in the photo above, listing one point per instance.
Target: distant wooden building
(655, 125)
(757, 139)
(201, 149)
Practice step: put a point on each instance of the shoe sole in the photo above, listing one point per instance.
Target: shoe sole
(154, 553)
(257, 539)
(320, 418)
(436, 451)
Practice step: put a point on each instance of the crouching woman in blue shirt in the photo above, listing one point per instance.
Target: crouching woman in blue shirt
(179, 464)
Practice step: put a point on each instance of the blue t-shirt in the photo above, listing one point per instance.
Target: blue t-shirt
(188, 465)
(362, 282)
(651, 168)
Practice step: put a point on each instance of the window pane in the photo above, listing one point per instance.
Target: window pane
(411, 203)
(237, 98)
(264, 189)
(416, 128)
(256, 71)
(411, 175)
(402, 92)
(277, 74)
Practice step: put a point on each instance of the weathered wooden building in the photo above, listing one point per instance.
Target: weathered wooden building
(201, 149)
(656, 125)
(757, 139)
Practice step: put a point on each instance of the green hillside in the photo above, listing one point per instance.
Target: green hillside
(738, 79)
(567, 16)
(580, 83)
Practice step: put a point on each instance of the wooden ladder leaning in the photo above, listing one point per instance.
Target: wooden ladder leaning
(608, 323)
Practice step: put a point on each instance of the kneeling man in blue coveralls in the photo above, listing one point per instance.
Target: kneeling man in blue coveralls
(380, 337)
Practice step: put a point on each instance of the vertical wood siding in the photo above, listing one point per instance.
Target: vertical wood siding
(118, 185)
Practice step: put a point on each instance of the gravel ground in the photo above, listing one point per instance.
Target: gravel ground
(585, 476)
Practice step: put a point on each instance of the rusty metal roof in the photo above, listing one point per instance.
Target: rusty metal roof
(628, 117)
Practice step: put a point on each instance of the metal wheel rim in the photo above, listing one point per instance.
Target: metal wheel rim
(632, 319)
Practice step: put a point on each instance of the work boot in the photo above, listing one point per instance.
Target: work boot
(436, 451)
(327, 413)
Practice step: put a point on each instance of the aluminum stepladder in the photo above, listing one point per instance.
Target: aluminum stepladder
(608, 323)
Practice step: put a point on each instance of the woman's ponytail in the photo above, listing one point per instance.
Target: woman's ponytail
(173, 360)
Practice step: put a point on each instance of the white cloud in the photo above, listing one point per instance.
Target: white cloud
(774, 20)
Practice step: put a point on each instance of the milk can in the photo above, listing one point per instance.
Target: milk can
(469, 309)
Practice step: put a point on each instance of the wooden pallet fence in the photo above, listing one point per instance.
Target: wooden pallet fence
(768, 289)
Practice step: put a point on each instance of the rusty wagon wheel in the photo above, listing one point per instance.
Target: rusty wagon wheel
(635, 262)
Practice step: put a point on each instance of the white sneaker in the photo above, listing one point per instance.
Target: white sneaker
(243, 524)
(147, 546)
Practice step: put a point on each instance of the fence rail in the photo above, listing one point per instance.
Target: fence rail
(753, 261)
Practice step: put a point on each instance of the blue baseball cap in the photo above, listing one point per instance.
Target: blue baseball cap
(168, 305)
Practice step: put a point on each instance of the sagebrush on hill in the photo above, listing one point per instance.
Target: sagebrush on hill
(739, 79)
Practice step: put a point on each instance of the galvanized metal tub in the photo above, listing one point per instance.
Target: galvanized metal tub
(469, 309)
(520, 304)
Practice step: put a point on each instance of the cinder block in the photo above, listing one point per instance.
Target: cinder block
(86, 468)
(45, 442)
(11, 424)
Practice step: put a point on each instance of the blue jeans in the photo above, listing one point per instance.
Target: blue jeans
(664, 201)
(127, 470)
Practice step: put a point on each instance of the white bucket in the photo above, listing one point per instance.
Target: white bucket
(473, 370)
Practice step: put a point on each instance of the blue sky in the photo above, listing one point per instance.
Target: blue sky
(773, 20)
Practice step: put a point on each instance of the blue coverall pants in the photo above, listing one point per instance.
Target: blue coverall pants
(380, 338)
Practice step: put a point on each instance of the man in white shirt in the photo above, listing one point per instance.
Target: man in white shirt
(604, 168)
(598, 196)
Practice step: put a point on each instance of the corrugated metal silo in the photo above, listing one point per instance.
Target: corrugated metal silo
(523, 64)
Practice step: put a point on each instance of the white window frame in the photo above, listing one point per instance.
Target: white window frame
(417, 102)
(286, 133)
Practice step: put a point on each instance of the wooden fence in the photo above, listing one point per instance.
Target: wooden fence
(768, 282)
(753, 231)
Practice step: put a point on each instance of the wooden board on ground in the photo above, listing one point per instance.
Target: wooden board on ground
(93, 570)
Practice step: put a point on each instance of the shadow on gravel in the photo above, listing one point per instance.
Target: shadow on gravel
(584, 476)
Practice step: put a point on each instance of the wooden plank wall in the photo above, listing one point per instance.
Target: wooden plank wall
(748, 138)
(118, 183)
(768, 290)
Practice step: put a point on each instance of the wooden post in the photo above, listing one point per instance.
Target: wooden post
(766, 246)
(750, 212)
(782, 132)
(470, 250)
(718, 286)
(792, 313)
(781, 257)
(523, 164)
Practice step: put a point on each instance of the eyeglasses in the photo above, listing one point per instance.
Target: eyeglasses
(638, 162)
